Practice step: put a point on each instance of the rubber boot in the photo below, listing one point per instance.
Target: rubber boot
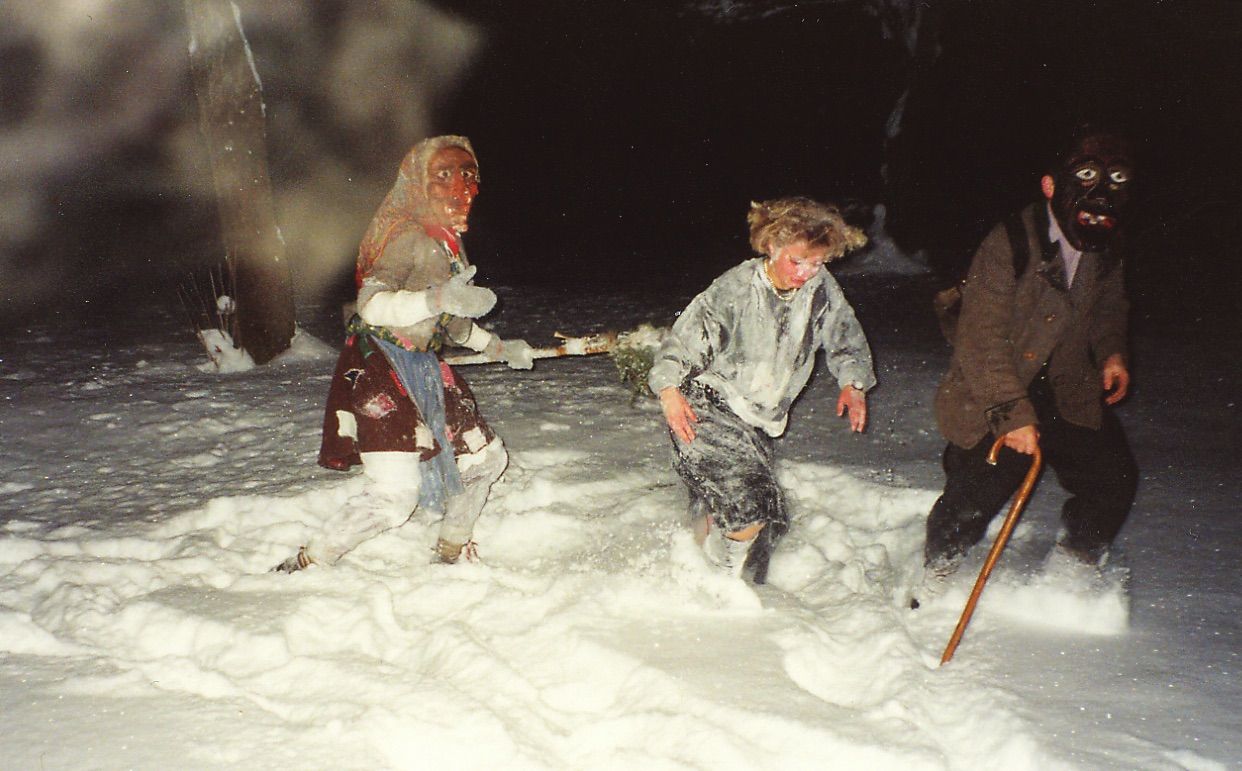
(725, 553)
(448, 552)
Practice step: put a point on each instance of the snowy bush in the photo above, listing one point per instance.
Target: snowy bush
(634, 354)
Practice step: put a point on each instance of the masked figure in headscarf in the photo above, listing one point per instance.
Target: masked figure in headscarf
(1039, 356)
(394, 406)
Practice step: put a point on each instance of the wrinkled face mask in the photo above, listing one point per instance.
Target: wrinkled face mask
(452, 185)
(1091, 192)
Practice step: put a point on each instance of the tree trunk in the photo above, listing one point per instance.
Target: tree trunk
(916, 26)
(231, 117)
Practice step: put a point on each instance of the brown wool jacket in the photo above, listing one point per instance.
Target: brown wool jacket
(1011, 326)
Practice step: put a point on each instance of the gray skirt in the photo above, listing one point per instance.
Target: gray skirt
(728, 467)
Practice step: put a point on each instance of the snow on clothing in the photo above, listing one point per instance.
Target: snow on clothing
(393, 406)
(392, 495)
(741, 353)
(728, 468)
(758, 350)
(1028, 351)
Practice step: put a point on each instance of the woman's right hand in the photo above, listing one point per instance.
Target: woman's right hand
(678, 413)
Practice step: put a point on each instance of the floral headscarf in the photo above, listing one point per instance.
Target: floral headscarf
(405, 207)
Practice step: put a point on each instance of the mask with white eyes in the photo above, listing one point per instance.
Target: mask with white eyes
(1091, 190)
(452, 185)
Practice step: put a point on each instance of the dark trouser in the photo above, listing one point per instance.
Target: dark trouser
(1095, 467)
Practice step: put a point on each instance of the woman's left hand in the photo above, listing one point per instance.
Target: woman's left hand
(854, 401)
(679, 414)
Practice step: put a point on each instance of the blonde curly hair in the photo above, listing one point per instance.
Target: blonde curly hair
(782, 221)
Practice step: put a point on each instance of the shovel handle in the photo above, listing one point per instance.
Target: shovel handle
(1011, 520)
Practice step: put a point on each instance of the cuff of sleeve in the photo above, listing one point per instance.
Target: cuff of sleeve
(1007, 416)
(395, 309)
(863, 384)
(478, 339)
(1111, 347)
(663, 375)
(861, 378)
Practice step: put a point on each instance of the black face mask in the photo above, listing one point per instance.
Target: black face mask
(1091, 192)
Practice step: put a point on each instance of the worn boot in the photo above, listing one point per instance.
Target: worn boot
(941, 567)
(299, 561)
(936, 572)
(725, 553)
(1093, 555)
(448, 552)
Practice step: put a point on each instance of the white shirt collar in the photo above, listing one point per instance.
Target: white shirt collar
(1069, 255)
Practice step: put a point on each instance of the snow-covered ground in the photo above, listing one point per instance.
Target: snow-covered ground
(142, 501)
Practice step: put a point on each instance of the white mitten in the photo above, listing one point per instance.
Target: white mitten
(459, 298)
(404, 308)
(516, 353)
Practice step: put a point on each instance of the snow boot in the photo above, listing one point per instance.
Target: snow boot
(1094, 557)
(936, 574)
(448, 552)
(299, 561)
(725, 553)
(942, 567)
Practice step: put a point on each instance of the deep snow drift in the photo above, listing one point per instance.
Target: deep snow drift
(143, 500)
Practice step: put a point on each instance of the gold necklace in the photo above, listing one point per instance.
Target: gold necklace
(781, 294)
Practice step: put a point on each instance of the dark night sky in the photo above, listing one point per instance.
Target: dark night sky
(621, 141)
(633, 136)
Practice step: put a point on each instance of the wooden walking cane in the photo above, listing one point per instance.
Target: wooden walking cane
(1002, 538)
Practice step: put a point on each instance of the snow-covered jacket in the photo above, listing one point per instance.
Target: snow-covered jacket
(1010, 327)
(757, 350)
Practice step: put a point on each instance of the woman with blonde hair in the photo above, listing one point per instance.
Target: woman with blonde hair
(736, 359)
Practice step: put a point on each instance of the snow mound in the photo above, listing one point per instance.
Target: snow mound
(1061, 594)
(306, 347)
(224, 357)
(140, 627)
(691, 569)
(222, 354)
(882, 255)
(593, 635)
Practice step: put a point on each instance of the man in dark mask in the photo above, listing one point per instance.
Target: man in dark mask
(1090, 191)
(1039, 355)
